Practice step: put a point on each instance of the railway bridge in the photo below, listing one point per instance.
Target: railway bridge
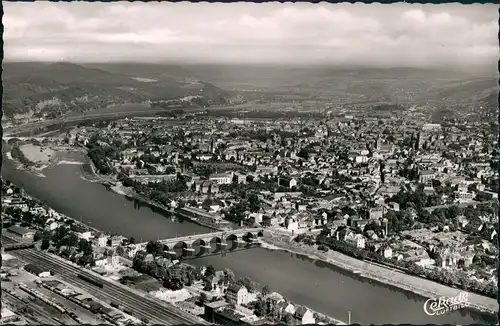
(220, 237)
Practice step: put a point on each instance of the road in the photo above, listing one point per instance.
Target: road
(142, 306)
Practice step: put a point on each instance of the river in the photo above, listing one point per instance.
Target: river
(320, 286)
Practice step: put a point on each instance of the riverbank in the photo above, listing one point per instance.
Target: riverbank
(422, 287)
(120, 189)
(61, 215)
(117, 187)
(36, 157)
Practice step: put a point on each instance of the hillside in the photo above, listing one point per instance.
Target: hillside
(340, 84)
(473, 89)
(54, 89)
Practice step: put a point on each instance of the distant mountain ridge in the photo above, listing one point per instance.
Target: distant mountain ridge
(402, 84)
(57, 88)
(51, 89)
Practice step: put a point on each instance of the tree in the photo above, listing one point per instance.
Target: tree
(323, 248)
(203, 298)
(87, 260)
(70, 239)
(59, 234)
(138, 264)
(288, 318)
(28, 218)
(119, 251)
(155, 248)
(38, 235)
(266, 290)
(208, 285)
(85, 246)
(374, 226)
(173, 284)
(260, 307)
(45, 244)
(453, 212)
(253, 203)
(303, 153)
(210, 271)
(464, 281)
(248, 283)
(229, 276)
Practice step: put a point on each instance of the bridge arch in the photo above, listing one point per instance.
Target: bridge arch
(181, 244)
(217, 239)
(250, 235)
(200, 242)
(233, 237)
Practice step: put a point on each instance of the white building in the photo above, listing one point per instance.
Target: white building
(361, 159)
(431, 127)
(102, 241)
(304, 316)
(425, 262)
(85, 235)
(221, 178)
(376, 213)
(356, 240)
(51, 226)
(291, 224)
(113, 260)
(237, 294)
(387, 252)
(426, 176)
(465, 197)
(132, 250)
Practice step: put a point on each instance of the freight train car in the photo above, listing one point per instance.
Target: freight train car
(116, 305)
(91, 280)
(128, 312)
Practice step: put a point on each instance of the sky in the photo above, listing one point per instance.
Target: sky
(402, 35)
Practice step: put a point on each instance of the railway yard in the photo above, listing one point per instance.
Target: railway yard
(41, 288)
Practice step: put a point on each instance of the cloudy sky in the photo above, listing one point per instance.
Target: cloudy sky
(380, 35)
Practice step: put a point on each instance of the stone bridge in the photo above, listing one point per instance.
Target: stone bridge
(205, 239)
(40, 139)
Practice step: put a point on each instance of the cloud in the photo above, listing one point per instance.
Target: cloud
(399, 34)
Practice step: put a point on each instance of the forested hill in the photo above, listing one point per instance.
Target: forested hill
(53, 89)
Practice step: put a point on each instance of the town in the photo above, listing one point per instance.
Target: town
(416, 197)
(174, 163)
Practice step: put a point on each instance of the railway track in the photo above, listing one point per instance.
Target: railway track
(39, 316)
(141, 306)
